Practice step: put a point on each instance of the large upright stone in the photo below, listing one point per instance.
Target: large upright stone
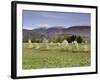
(51, 43)
(64, 44)
(36, 45)
(45, 44)
(86, 47)
(75, 46)
(58, 44)
(30, 45)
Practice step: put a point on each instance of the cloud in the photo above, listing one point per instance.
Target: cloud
(37, 26)
(49, 25)
(44, 25)
(27, 27)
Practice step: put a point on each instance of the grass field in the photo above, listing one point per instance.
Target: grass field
(55, 57)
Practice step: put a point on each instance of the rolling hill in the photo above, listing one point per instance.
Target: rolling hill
(40, 33)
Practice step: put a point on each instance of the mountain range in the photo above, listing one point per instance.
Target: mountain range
(40, 33)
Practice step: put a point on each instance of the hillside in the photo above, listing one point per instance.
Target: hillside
(50, 33)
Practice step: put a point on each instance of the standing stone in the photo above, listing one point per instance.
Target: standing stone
(64, 44)
(58, 44)
(85, 46)
(30, 45)
(75, 46)
(51, 43)
(36, 45)
(45, 44)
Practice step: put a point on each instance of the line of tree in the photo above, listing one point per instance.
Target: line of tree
(57, 38)
(70, 39)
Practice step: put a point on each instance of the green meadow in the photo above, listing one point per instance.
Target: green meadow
(54, 57)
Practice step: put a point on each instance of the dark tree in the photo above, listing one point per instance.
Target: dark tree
(79, 39)
(71, 38)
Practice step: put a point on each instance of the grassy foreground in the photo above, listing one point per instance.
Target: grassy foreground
(53, 58)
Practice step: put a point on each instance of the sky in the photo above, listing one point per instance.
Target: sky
(35, 19)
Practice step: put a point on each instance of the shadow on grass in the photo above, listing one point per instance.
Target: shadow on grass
(74, 51)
